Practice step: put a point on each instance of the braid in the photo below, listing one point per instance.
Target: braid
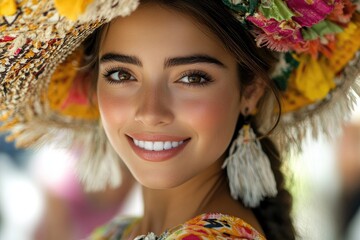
(274, 214)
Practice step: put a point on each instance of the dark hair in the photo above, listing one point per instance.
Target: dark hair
(274, 214)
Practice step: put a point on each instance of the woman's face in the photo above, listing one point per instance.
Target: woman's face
(168, 95)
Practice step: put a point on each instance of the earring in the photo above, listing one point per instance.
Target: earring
(248, 168)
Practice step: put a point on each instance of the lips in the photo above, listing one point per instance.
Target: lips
(157, 148)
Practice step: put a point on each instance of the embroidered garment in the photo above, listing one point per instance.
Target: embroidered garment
(206, 226)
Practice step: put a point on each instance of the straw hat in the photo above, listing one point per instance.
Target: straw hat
(43, 95)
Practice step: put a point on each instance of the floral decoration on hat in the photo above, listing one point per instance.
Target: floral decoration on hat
(313, 32)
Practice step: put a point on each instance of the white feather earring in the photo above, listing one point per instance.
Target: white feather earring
(248, 168)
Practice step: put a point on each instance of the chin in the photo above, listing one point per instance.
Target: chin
(160, 182)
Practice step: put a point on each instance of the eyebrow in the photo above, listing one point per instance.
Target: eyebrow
(170, 62)
(199, 58)
(114, 57)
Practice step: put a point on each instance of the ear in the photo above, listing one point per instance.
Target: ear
(251, 96)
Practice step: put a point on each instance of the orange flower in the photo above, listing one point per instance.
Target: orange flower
(317, 46)
(342, 12)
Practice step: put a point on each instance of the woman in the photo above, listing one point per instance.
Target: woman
(182, 89)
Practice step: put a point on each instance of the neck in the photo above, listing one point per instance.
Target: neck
(168, 208)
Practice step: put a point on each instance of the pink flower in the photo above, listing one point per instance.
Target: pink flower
(278, 36)
(310, 12)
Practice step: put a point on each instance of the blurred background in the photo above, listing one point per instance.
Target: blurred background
(41, 198)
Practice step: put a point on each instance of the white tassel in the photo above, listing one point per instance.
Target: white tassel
(248, 168)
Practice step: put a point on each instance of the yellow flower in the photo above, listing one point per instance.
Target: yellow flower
(313, 78)
(67, 91)
(7, 7)
(292, 100)
(71, 9)
(346, 47)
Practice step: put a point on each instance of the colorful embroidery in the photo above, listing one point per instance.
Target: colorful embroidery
(114, 230)
(208, 226)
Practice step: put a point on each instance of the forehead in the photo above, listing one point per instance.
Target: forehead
(156, 29)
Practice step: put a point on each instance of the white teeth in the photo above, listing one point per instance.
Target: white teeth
(157, 146)
(167, 145)
(149, 145)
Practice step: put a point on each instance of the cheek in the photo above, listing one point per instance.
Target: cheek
(204, 114)
(213, 117)
(114, 109)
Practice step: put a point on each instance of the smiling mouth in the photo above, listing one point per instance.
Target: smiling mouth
(157, 148)
(157, 145)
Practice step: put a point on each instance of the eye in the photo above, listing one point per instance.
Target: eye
(121, 76)
(118, 76)
(194, 78)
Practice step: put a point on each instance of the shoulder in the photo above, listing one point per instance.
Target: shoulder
(115, 229)
(215, 226)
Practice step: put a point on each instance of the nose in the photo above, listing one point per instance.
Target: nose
(154, 106)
